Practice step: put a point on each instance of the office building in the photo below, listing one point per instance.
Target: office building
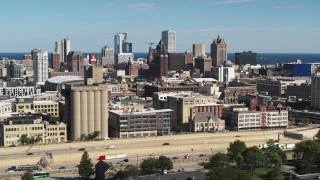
(55, 61)
(169, 40)
(176, 61)
(107, 55)
(239, 117)
(218, 51)
(315, 92)
(223, 74)
(59, 49)
(66, 48)
(277, 87)
(296, 70)
(20, 91)
(122, 49)
(199, 49)
(15, 70)
(181, 104)
(63, 48)
(203, 64)
(246, 57)
(40, 66)
(139, 123)
(75, 61)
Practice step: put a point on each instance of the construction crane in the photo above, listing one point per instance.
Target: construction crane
(151, 43)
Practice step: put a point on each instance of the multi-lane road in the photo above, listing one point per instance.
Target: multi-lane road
(67, 154)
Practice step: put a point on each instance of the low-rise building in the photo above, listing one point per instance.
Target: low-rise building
(139, 123)
(239, 117)
(312, 115)
(180, 103)
(207, 122)
(14, 127)
(20, 91)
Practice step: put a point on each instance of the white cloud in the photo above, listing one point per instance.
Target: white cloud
(144, 6)
(231, 1)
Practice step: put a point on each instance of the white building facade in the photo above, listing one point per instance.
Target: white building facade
(169, 39)
(40, 66)
(223, 74)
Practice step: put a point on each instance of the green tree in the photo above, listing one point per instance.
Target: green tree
(275, 173)
(228, 173)
(218, 160)
(93, 135)
(235, 148)
(85, 167)
(165, 163)
(239, 159)
(23, 140)
(149, 166)
(83, 137)
(27, 176)
(132, 171)
(254, 157)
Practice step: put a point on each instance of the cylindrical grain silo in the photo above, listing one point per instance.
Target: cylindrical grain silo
(104, 113)
(84, 113)
(90, 111)
(97, 111)
(75, 122)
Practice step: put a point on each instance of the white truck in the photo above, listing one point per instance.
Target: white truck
(113, 156)
(290, 146)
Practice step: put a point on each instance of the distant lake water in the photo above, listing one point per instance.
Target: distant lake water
(262, 58)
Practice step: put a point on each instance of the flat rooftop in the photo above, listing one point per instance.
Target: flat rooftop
(142, 111)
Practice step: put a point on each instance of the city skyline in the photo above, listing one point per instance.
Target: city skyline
(246, 25)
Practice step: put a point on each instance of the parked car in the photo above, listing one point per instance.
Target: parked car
(237, 136)
(13, 145)
(176, 157)
(62, 167)
(81, 149)
(202, 155)
(30, 154)
(126, 160)
(166, 144)
(153, 154)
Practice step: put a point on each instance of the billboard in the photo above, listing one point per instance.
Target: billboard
(93, 59)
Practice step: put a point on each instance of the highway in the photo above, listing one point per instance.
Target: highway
(67, 154)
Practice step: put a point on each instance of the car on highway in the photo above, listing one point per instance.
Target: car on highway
(153, 154)
(166, 144)
(187, 156)
(120, 162)
(62, 167)
(202, 155)
(176, 157)
(81, 149)
(126, 160)
(204, 142)
(30, 154)
(13, 145)
(9, 171)
(237, 136)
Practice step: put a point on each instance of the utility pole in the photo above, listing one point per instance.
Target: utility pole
(138, 160)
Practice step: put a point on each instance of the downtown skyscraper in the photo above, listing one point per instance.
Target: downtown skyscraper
(122, 49)
(40, 66)
(218, 51)
(169, 39)
(63, 48)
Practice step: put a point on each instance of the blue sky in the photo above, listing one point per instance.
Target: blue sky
(289, 26)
